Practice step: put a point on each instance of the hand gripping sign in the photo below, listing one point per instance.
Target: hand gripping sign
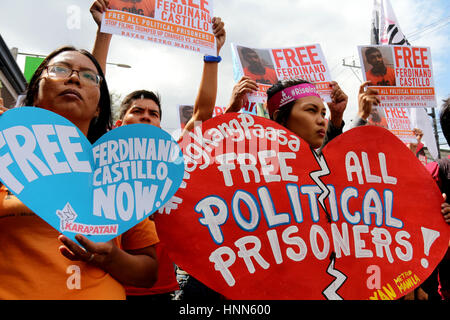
(99, 190)
(267, 218)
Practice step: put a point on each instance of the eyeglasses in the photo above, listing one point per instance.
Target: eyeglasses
(86, 77)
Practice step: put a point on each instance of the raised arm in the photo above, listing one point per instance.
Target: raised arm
(207, 92)
(102, 40)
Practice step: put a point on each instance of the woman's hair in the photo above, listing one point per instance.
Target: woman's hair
(139, 94)
(284, 112)
(100, 124)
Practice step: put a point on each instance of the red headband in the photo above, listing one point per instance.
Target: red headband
(290, 94)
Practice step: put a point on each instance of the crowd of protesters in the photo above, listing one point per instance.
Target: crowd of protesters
(35, 258)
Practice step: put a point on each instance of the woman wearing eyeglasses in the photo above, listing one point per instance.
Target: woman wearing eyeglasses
(36, 262)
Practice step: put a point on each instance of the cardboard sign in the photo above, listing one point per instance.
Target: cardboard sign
(267, 66)
(403, 75)
(185, 111)
(180, 24)
(99, 190)
(267, 218)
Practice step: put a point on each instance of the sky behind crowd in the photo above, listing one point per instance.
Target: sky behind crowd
(39, 27)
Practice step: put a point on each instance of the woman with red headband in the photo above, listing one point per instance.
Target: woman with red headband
(296, 104)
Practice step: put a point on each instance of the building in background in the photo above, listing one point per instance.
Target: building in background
(11, 77)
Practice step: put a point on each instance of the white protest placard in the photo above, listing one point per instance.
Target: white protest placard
(403, 76)
(185, 111)
(267, 66)
(182, 24)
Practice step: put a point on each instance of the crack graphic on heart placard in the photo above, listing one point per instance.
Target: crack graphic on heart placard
(330, 292)
(316, 175)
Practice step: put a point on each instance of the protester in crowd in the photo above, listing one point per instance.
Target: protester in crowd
(440, 171)
(304, 113)
(35, 261)
(144, 106)
(203, 110)
(255, 69)
(311, 125)
(379, 74)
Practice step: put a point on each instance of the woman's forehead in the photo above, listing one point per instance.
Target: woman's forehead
(305, 101)
(73, 58)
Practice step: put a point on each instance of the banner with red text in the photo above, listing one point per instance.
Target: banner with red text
(182, 24)
(403, 76)
(267, 66)
(395, 119)
(260, 215)
(185, 111)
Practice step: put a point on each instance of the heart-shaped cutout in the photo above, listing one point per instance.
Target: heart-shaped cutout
(99, 190)
(265, 217)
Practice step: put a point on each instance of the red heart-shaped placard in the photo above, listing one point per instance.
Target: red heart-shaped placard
(262, 216)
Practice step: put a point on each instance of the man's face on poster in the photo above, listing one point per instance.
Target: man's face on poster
(187, 112)
(376, 117)
(375, 59)
(252, 58)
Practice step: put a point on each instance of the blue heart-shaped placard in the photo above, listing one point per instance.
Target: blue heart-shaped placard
(99, 190)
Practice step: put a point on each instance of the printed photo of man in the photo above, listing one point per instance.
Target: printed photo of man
(258, 69)
(140, 7)
(377, 118)
(185, 112)
(378, 72)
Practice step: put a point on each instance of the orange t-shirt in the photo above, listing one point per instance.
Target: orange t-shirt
(386, 80)
(141, 7)
(269, 77)
(167, 281)
(32, 268)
